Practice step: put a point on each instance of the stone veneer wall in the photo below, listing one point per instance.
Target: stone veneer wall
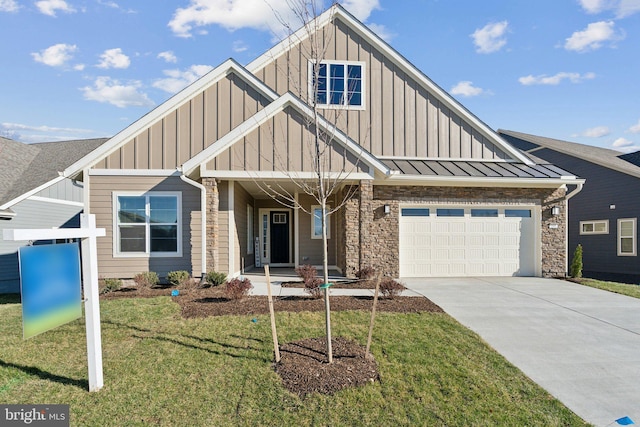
(378, 245)
(212, 222)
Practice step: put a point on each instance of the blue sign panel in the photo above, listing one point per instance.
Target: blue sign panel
(50, 286)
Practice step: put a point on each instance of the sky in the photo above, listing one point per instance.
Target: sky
(565, 69)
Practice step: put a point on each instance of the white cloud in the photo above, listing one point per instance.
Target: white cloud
(593, 37)
(49, 7)
(106, 89)
(79, 67)
(635, 128)
(490, 38)
(257, 14)
(596, 132)
(239, 46)
(31, 133)
(381, 31)
(556, 79)
(56, 55)
(114, 5)
(8, 6)
(466, 88)
(168, 56)
(621, 8)
(624, 145)
(177, 80)
(114, 58)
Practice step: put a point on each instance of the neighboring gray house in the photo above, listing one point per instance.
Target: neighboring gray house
(603, 217)
(34, 195)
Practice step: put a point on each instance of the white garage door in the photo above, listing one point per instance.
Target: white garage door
(462, 241)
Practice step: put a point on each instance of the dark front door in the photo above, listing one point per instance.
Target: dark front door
(279, 237)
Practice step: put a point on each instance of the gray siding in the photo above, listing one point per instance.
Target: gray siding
(102, 189)
(242, 198)
(400, 118)
(30, 214)
(66, 189)
(311, 249)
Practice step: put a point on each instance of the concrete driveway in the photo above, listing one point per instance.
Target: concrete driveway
(581, 344)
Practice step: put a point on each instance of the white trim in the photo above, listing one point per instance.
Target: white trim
(363, 86)
(337, 11)
(232, 225)
(147, 254)
(215, 75)
(633, 236)
(203, 220)
(594, 222)
(267, 260)
(296, 231)
(250, 224)
(288, 176)
(86, 192)
(31, 192)
(286, 100)
(134, 172)
(476, 181)
(313, 220)
(57, 201)
(448, 159)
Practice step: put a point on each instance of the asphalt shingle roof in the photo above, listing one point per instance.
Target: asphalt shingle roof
(24, 167)
(606, 157)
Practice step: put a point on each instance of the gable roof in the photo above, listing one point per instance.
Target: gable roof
(337, 11)
(608, 158)
(632, 158)
(26, 167)
(253, 122)
(212, 77)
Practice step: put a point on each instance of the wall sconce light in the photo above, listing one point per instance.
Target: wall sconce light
(555, 210)
(612, 207)
(387, 209)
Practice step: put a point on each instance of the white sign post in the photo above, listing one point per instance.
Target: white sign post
(88, 233)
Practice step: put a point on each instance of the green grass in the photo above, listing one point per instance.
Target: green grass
(619, 288)
(165, 370)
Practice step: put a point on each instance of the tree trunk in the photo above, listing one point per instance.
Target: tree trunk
(325, 266)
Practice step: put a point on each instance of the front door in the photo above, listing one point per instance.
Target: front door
(279, 225)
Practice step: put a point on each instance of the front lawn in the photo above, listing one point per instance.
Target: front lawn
(162, 369)
(619, 288)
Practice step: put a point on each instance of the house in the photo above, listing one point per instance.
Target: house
(603, 216)
(436, 192)
(34, 195)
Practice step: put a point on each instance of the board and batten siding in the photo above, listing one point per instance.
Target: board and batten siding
(67, 189)
(190, 128)
(400, 117)
(30, 214)
(311, 249)
(101, 204)
(241, 199)
(283, 143)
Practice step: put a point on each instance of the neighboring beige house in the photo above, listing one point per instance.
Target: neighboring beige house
(439, 193)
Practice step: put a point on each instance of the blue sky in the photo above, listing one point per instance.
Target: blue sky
(567, 69)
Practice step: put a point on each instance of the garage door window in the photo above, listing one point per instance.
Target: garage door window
(517, 213)
(450, 212)
(415, 212)
(484, 213)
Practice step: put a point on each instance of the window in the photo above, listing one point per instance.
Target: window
(415, 212)
(517, 213)
(627, 237)
(594, 227)
(148, 224)
(492, 213)
(338, 84)
(316, 223)
(450, 212)
(250, 242)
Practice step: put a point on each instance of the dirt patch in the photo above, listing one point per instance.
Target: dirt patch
(304, 369)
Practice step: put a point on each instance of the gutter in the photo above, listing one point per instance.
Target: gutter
(573, 192)
(7, 214)
(203, 219)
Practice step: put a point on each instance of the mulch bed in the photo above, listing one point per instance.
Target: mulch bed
(344, 284)
(304, 369)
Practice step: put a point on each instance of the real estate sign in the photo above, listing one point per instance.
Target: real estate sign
(50, 286)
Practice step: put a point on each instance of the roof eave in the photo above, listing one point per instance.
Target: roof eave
(467, 181)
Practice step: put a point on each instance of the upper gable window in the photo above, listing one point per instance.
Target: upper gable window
(339, 84)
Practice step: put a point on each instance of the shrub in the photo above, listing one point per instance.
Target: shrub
(110, 285)
(178, 278)
(576, 263)
(147, 279)
(390, 288)
(366, 273)
(238, 288)
(307, 272)
(312, 287)
(216, 279)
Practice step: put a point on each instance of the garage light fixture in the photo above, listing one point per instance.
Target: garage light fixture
(387, 209)
(555, 210)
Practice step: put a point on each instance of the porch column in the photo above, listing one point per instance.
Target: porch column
(349, 245)
(366, 218)
(213, 202)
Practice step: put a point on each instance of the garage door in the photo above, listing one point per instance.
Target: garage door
(461, 241)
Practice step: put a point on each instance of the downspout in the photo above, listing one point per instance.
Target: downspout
(203, 219)
(566, 222)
